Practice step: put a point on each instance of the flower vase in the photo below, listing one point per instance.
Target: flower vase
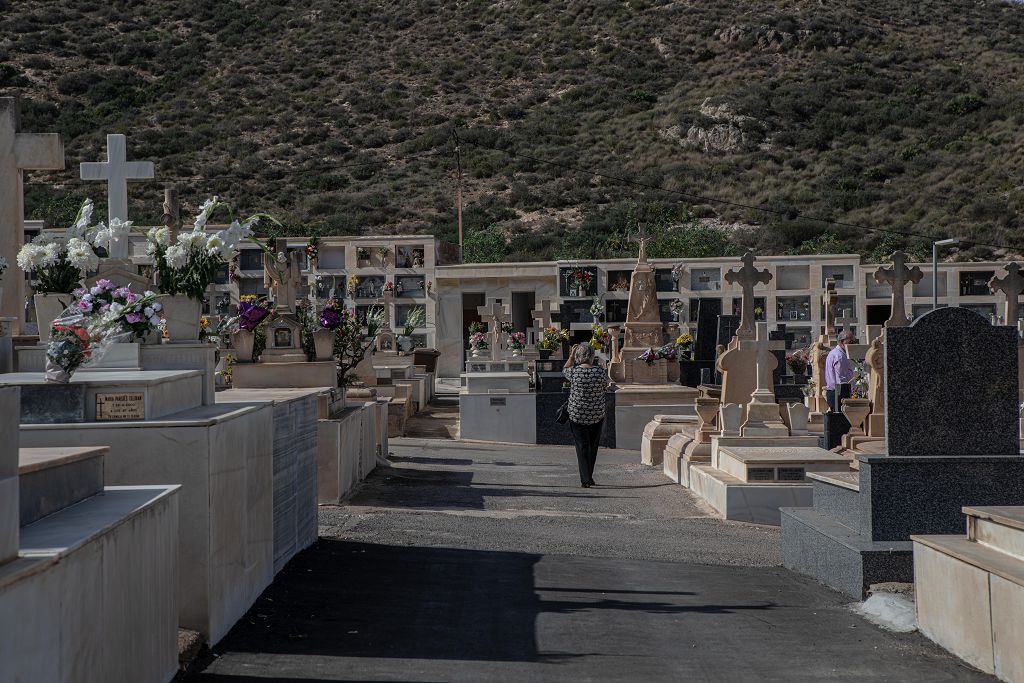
(856, 411)
(516, 353)
(48, 308)
(182, 315)
(545, 354)
(243, 341)
(476, 352)
(405, 344)
(323, 342)
(150, 338)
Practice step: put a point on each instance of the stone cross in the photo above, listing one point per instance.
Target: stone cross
(843, 321)
(642, 238)
(747, 278)
(117, 171)
(493, 314)
(19, 152)
(766, 360)
(1012, 286)
(543, 314)
(897, 277)
(171, 218)
(763, 416)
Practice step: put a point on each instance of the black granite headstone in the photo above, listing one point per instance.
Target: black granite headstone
(951, 386)
(727, 325)
(708, 311)
(52, 403)
(780, 334)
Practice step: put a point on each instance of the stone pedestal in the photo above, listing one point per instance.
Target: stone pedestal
(637, 404)
(657, 434)
(300, 374)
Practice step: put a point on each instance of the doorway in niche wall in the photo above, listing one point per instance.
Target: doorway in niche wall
(471, 301)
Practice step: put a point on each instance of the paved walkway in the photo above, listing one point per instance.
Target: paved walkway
(482, 562)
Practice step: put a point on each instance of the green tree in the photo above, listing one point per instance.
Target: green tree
(484, 245)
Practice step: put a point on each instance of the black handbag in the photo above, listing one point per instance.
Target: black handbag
(562, 414)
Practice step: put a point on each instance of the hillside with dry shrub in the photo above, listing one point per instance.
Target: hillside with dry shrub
(339, 116)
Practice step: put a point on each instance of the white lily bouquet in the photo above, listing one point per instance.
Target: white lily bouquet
(189, 265)
(58, 265)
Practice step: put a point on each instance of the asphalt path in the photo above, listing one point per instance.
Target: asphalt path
(476, 562)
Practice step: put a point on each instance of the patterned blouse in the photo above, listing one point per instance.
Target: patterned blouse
(586, 393)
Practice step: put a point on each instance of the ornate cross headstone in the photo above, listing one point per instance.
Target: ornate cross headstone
(763, 417)
(642, 238)
(117, 171)
(1012, 286)
(493, 314)
(19, 152)
(747, 277)
(897, 277)
(843, 322)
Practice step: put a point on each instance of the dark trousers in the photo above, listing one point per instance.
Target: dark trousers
(587, 439)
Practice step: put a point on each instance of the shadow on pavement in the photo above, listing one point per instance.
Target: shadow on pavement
(349, 599)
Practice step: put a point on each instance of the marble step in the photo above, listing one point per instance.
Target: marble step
(52, 479)
(1000, 528)
(977, 555)
(837, 496)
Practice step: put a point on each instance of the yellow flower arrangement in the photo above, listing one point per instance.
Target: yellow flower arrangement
(684, 339)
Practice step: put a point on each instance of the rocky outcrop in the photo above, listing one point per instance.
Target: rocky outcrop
(722, 129)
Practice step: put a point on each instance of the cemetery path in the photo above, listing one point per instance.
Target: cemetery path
(468, 562)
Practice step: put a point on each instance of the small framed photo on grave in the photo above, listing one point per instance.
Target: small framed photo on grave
(793, 315)
(282, 338)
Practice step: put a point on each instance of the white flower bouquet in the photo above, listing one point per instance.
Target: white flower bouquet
(189, 265)
(59, 265)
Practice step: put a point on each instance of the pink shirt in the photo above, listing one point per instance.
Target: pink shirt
(838, 368)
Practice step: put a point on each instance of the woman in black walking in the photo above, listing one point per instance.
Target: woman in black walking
(587, 385)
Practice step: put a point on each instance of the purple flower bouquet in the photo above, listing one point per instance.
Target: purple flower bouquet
(251, 315)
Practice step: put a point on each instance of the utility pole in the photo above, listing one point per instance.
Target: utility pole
(458, 187)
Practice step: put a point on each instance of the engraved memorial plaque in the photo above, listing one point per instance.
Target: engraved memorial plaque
(129, 405)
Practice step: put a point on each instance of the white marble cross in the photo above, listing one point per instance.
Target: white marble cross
(543, 314)
(747, 277)
(19, 152)
(117, 171)
(1012, 286)
(493, 314)
(897, 277)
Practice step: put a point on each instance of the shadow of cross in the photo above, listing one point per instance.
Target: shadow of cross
(747, 277)
(1012, 286)
(897, 277)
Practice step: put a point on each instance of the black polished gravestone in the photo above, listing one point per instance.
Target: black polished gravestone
(727, 326)
(780, 334)
(704, 352)
(835, 425)
(952, 434)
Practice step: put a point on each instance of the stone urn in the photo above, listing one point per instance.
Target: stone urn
(323, 343)
(517, 353)
(48, 308)
(182, 314)
(476, 351)
(243, 341)
(856, 411)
